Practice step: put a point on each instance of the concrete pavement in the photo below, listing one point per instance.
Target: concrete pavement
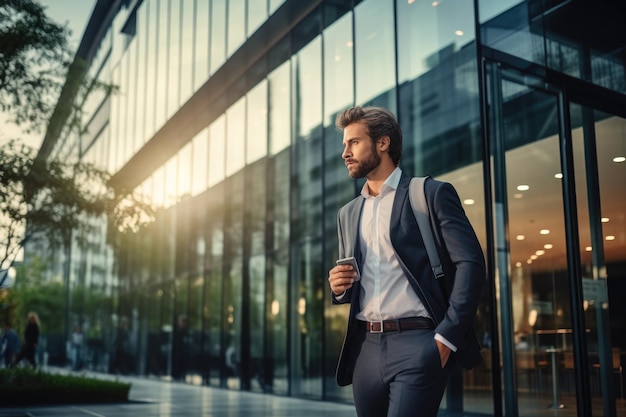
(157, 398)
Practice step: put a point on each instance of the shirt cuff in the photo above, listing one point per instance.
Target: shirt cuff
(340, 296)
(444, 341)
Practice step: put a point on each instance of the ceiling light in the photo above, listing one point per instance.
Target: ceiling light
(518, 264)
(529, 261)
(609, 237)
(558, 175)
(540, 252)
(588, 249)
(434, 3)
(544, 231)
(458, 32)
(605, 220)
(533, 257)
(548, 246)
(469, 201)
(523, 187)
(520, 237)
(518, 195)
(619, 159)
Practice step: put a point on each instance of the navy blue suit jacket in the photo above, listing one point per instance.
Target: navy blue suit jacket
(451, 303)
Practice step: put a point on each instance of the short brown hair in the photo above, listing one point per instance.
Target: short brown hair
(378, 122)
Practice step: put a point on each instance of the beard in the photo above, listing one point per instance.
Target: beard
(365, 166)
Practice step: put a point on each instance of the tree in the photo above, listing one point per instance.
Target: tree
(34, 58)
(48, 199)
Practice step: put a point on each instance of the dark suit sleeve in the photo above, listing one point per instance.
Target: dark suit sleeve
(342, 253)
(465, 256)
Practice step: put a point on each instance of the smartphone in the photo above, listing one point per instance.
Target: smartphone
(351, 261)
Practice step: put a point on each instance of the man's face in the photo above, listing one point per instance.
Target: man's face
(359, 152)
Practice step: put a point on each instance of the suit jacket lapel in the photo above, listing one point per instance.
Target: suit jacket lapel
(398, 206)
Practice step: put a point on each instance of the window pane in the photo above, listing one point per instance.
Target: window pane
(187, 50)
(256, 138)
(202, 38)
(235, 136)
(173, 90)
(200, 162)
(280, 110)
(257, 14)
(236, 24)
(375, 53)
(308, 147)
(217, 151)
(218, 34)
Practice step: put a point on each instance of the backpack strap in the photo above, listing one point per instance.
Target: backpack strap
(417, 196)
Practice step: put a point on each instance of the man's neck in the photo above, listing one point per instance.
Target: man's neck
(377, 178)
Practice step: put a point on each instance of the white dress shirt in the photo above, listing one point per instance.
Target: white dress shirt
(385, 290)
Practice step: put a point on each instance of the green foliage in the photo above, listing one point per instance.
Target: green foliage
(21, 386)
(34, 56)
(53, 198)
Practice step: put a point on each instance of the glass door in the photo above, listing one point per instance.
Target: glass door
(599, 153)
(560, 235)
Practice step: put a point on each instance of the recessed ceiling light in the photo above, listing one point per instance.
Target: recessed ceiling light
(459, 32)
(518, 264)
(558, 175)
(530, 261)
(469, 201)
(533, 257)
(619, 159)
(588, 249)
(523, 187)
(518, 195)
(540, 252)
(544, 231)
(605, 220)
(520, 237)
(548, 246)
(609, 237)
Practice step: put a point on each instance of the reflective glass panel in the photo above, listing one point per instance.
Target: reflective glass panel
(375, 53)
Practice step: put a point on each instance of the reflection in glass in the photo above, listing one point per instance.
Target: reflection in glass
(202, 44)
(187, 59)
(235, 136)
(236, 25)
(256, 126)
(200, 154)
(279, 106)
(217, 150)
(218, 34)
(173, 63)
(375, 53)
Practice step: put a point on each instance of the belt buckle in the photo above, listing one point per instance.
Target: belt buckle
(373, 324)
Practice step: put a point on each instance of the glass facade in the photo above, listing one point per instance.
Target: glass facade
(224, 116)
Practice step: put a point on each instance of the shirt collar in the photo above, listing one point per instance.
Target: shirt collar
(390, 184)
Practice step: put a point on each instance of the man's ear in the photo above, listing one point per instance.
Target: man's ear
(383, 143)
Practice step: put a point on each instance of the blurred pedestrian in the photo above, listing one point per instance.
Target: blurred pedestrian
(31, 339)
(10, 344)
(77, 346)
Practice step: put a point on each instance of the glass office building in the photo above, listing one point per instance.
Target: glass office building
(224, 116)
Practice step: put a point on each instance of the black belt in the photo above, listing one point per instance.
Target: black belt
(409, 323)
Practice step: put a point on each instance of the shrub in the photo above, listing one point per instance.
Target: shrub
(26, 386)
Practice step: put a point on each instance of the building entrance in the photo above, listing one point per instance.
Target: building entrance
(559, 216)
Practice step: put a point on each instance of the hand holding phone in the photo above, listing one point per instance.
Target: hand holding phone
(351, 261)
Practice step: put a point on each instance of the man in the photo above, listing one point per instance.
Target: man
(404, 325)
(10, 344)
